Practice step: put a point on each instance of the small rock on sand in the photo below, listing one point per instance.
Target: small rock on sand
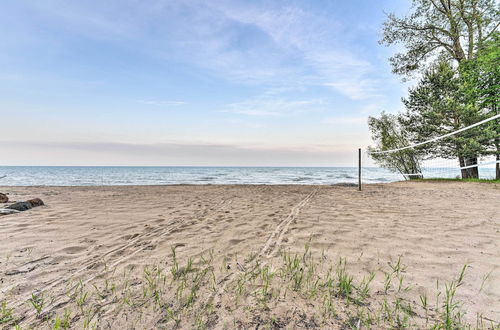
(20, 206)
(3, 198)
(23, 206)
(36, 202)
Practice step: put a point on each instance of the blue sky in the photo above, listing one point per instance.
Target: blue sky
(157, 82)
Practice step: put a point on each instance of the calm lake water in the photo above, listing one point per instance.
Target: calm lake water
(96, 176)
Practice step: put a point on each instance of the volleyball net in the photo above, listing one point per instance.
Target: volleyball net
(442, 156)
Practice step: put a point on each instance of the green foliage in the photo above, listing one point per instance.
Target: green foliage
(447, 99)
(388, 134)
(436, 107)
(481, 76)
(449, 30)
(456, 46)
(481, 89)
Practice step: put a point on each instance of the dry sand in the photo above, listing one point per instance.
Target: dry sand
(98, 234)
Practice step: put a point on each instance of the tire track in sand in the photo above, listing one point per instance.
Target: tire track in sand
(274, 241)
(272, 245)
(55, 303)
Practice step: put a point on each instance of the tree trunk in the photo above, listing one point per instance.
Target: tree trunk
(497, 165)
(415, 177)
(461, 162)
(474, 171)
(471, 172)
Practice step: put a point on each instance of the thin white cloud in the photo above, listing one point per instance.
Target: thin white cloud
(266, 106)
(292, 47)
(356, 90)
(317, 40)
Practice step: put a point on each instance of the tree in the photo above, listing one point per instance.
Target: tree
(387, 133)
(481, 89)
(448, 29)
(438, 106)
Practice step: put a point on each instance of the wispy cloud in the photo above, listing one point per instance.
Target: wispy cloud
(356, 89)
(271, 66)
(249, 42)
(267, 106)
(317, 40)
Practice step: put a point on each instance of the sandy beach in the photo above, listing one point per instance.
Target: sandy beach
(103, 256)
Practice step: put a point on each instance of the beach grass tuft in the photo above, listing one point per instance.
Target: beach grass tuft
(300, 291)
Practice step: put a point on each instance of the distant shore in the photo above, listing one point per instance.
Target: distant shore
(107, 235)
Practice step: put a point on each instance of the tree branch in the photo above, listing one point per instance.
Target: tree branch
(491, 32)
(437, 7)
(403, 24)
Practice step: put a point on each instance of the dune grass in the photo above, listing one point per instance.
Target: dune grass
(300, 291)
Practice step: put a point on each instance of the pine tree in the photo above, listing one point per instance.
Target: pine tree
(438, 105)
(450, 33)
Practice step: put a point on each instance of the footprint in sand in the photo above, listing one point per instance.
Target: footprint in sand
(179, 245)
(235, 241)
(73, 249)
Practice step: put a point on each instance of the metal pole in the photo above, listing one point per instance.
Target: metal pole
(359, 169)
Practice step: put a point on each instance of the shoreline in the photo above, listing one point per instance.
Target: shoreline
(202, 184)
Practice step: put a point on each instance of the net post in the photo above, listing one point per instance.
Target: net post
(359, 169)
